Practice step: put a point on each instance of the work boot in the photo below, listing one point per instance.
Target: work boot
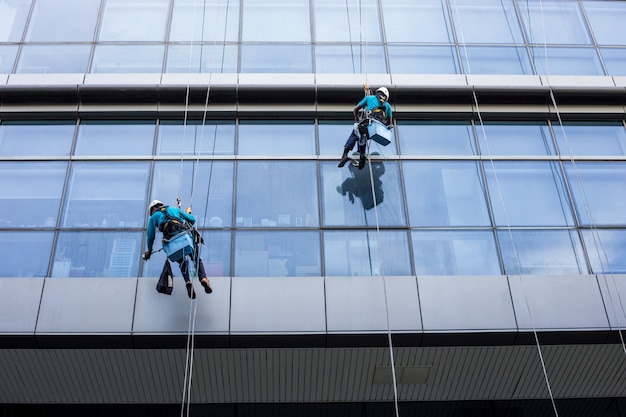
(344, 158)
(362, 160)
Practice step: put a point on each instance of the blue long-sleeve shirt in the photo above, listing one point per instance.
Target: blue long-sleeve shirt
(158, 219)
(371, 102)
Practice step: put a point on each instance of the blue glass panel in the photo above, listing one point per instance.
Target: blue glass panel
(614, 60)
(445, 193)
(567, 61)
(470, 22)
(423, 60)
(135, 20)
(554, 22)
(358, 253)
(97, 254)
(348, 21)
(607, 21)
(354, 197)
(188, 59)
(115, 138)
(460, 252)
(46, 59)
(208, 20)
(333, 135)
(590, 138)
(43, 138)
(12, 19)
(106, 194)
(127, 59)
(515, 139)
(279, 20)
(31, 193)
(63, 21)
(206, 186)
(277, 194)
(271, 138)
(350, 59)
(598, 191)
(542, 252)
(495, 60)
(7, 58)
(277, 58)
(606, 250)
(528, 194)
(25, 254)
(193, 138)
(416, 21)
(277, 253)
(436, 138)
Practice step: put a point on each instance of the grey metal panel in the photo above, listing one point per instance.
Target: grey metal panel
(576, 81)
(613, 289)
(205, 80)
(278, 304)
(19, 304)
(4, 78)
(558, 302)
(87, 305)
(285, 80)
(492, 80)
(465, 303)
(118, 80)
(159, 313)
(358, 304)
(45, 79)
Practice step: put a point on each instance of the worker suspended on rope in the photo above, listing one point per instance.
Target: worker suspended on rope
(370, 107)
(171, 221)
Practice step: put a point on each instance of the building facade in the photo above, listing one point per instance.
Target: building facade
(474, 267)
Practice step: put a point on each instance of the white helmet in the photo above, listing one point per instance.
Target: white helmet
(154, 204)
(383, 91)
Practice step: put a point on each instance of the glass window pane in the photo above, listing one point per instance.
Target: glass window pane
(445, 193)
(277, 253)
(349, 200)
(192, 138)
(333, 135)
(34, 194)
(541, 252)
(416, 21)
(134, 20)
(528, 194)
(7, 58)
(614, 60)
(357, 253)
(209, 20)
(515, 139)
(554, 22)
(13, 15)
(115, 138)
(567, 61)
(97, 254)
(606, 250)
(49, 138)
(350, 59)
(423, 60)
(206, 186)
(347, 21)
(78, 19)
(495, 60)
(277, 194)
(607, 21)
(590, 138)
(277, 58)
(187, 59)
(469, 21)
(118, 201)
(447, 252)
(270, 138)
(47, 59)
(279, 20)
(598, 191)
(25, 254)
(127, 59)
(436, 138)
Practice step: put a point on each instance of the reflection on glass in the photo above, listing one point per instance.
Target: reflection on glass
(209, 20)
(192, 59)
(46, 137)
(63, 21)
(567, 61)
(350, 199)
(515, 139)
(607, 21)
(12, 19)
(192, 138)
(48, 59)
(97, 254)
(106, 194)
(127, 59)
(7, 58)
(135, 20)
(598, 191)
(445, 193)
(25, 254)
(590, 138)
(469, 21)
(277, 194)
(115, 137)
(358, 253)
(347, 21)
(614, 60)
(495, 60)
(276, 58)
(277, 254)
(554, 22)
(405, 59)
(455, 252)
(270, 138)
(279, 20)
(436, 138)
(606, 250)
(416, 21)
(528, 194)
(34, 194)
(350, 59)
(205, 186)
(541, 252)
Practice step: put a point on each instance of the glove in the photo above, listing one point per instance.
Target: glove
(147, 254)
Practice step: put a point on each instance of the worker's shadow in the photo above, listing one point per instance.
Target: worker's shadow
(360, 184)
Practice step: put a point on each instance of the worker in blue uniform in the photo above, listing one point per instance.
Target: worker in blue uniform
(171, 221)
(376, 107)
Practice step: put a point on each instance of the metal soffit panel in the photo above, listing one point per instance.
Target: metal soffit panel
(127, 376)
